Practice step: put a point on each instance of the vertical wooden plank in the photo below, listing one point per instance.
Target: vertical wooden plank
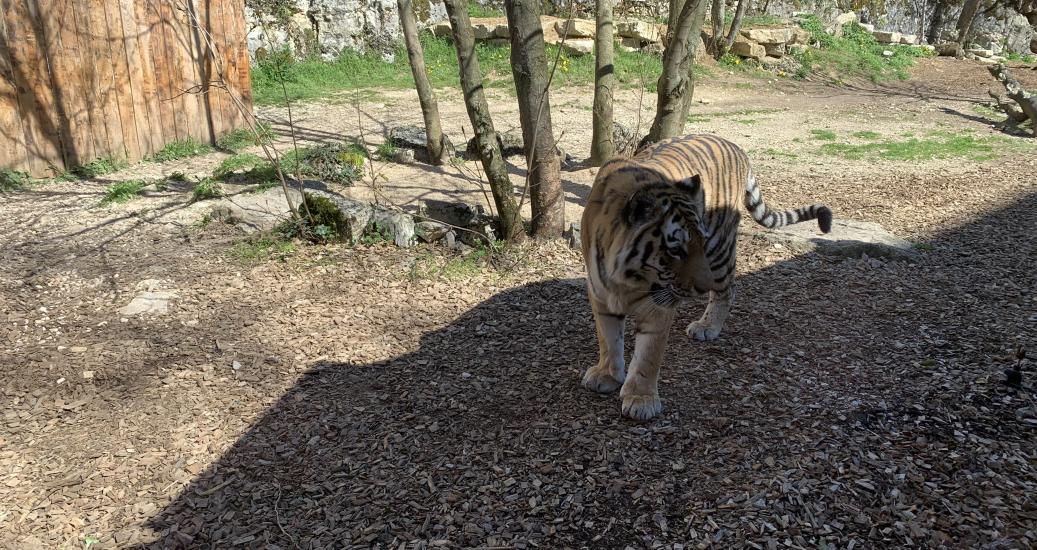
(67, 79)
(13, 149)
(206, 39)
(183, 105)
(239, 33)
(232, 115)
(32, 80)
(152, 32)
(105, 74)
(89, 83)
(194, 75)
(139, 89)
(121, 86)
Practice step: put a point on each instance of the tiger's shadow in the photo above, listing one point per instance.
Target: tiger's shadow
(483, 435)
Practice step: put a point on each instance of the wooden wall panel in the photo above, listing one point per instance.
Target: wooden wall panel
(86, 79)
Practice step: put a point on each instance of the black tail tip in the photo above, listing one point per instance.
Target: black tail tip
(824, 219)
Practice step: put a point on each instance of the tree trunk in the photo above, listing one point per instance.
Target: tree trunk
(736, 24)
(936, 24)
(437, 151)
(964, 26)
(529, 67)
(675, 84)
(602, 145)
(716, 16)
(482, 123)
(1027, 100)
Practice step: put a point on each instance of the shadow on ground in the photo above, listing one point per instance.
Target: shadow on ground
(844, 393)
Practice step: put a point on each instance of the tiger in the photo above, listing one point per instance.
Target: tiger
(658, 228)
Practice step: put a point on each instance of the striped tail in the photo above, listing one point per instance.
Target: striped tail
(780, 218)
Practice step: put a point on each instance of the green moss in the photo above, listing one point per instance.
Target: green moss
(323, 220)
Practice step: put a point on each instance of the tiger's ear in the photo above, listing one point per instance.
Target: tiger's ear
(639, 208)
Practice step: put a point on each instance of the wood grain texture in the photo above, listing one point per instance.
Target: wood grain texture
(94, 78)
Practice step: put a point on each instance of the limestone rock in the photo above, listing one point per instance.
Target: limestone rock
(510, 145)
(629, 45)
(579, 46)
(472, 219)
(868, 27)
(775, 50)
(641, 30)
(1019, 35)
(886, 37)
(947, 49)
(575, 28)
(980, 52)
(152, 299)
(799, 36)
(357, 214)
(909, 39)
(413, 137)
(254, 212)
(441, 28)
(849, 238)
(768, 36)
(842, 19)
(397, 225)
(431, 231)
(745, 48)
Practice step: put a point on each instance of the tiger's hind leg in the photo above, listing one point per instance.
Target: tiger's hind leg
(712, 322)
(608, 374)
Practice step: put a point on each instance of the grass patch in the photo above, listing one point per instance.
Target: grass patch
(854, 54)
(312, 78)
(240, 161)
(1025, 58)
(823, 135)
(476, 10)
(460, 266)
(100, 167)
(262, 247)
(386, 150)
(867, 134)
(180, 149)
(935, 145)
(986, 111)
(205, 189)
(123, 191)
(11, 180)
(242, 138)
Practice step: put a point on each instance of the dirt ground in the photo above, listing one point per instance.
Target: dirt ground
(337, 397)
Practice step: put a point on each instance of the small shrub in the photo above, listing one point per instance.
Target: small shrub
(262, 247)
(242, 138)
(232, 164)
(386, 150)
(325, 222)
(823, 135)
(100, 167)
(180, 149)
(178, 177)
(11, 180)
(205, 189)
(123, 191)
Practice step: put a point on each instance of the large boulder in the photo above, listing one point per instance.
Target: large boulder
(575, 28)
(510, 143)
(947, 49)
(800, 36)
(641, 30)
(578, 46)
(775, 50)
(909, 39)
(768, 36)
(327, 27)
(747, 48)
(887, 37)
(1019, 35)
(474, 224)
(413, 137)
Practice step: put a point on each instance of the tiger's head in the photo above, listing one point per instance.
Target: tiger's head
(662, 232)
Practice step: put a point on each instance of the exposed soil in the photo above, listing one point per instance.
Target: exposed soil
(337, 397)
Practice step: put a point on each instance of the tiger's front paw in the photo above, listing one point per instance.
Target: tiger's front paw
(703, 331)
(642, 407)
(601, 380)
